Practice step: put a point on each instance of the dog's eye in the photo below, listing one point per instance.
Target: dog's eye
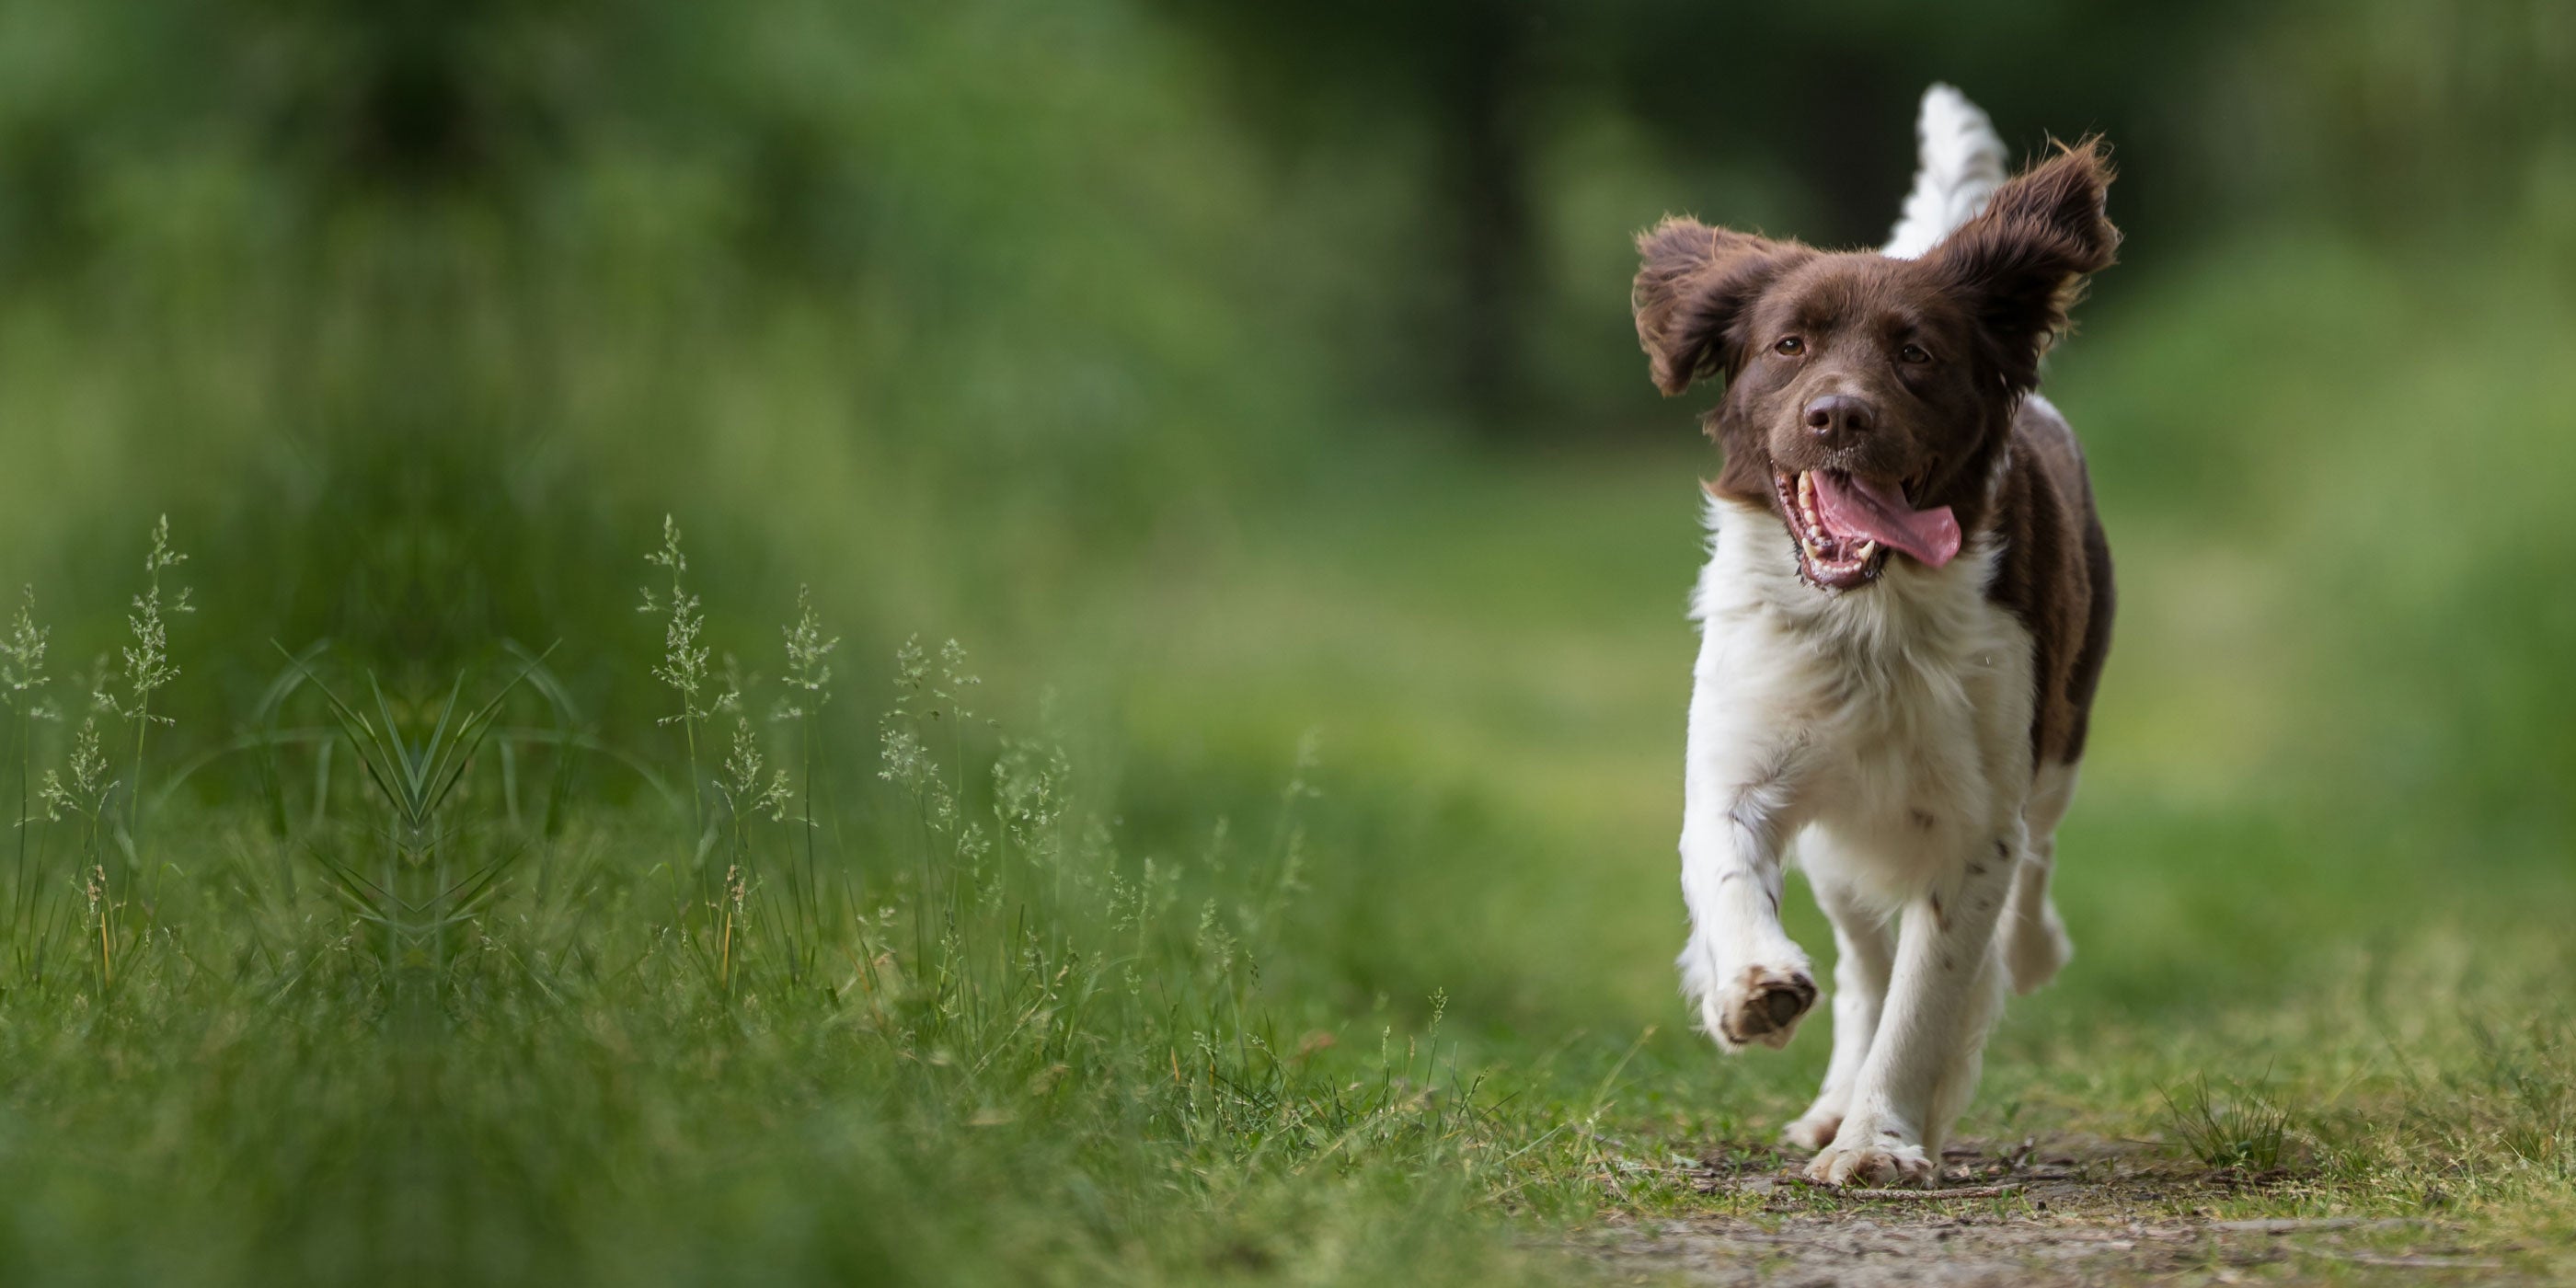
(1790, 346)
(1913, 353)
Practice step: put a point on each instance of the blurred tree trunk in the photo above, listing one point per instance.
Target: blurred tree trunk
(1484, 126)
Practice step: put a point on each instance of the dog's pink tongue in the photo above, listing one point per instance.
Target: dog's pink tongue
(1878, 511)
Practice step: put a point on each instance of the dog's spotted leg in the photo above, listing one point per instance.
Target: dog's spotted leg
(1924, 1058)
(1752, 983)
(1864, 954)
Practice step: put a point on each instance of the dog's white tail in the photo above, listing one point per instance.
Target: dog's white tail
(1962, 165)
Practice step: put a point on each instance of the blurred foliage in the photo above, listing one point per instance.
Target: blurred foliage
(1094, 258)
(1075, 328)
(1235, 371)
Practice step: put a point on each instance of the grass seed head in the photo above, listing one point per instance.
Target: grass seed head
(22, 654)
(741, 783)
(147, 660)
(86, 791)
(684, 659)
(809, 670)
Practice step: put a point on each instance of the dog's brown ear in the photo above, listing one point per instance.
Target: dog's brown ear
(1691, 293)
(2021, 264)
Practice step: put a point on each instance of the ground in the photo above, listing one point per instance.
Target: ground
(2066, 1211)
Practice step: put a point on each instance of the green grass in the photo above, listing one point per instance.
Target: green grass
(417, 1017)
(1284, 891)
(2232, 1129)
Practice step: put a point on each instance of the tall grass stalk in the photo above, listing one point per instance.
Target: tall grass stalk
(808, 681)
(684, 660)
(22, 681)
(746, 795)
(84, 795)
(147, 662)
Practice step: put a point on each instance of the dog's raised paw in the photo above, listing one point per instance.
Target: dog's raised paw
(1884, 1164)
(1763, 1005)
(1813, 1132)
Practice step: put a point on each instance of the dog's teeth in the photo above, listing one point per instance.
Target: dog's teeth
(1867, 548)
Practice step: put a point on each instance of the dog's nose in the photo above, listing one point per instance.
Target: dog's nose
(1836, 415)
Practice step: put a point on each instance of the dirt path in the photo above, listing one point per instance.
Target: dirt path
(2028, 1213)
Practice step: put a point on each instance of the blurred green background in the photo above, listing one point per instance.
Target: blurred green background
(1233, 372)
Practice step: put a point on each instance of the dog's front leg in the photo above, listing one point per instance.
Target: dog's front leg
(1947, 986)
(1751, 982)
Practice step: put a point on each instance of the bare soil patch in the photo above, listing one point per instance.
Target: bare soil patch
(2073, 1211)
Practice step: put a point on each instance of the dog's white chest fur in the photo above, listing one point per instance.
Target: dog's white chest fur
(1892, 709)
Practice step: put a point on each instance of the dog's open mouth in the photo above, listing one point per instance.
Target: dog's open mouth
(1846, 526)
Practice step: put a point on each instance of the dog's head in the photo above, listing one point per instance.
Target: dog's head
(1868, 399)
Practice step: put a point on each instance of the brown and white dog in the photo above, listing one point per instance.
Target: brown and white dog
(1905, 609)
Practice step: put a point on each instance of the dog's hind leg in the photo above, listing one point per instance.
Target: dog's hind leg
(2035, 942)
(1864, 953)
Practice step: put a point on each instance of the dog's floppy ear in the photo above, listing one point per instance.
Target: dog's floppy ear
(1691, 293)
(2021, 265)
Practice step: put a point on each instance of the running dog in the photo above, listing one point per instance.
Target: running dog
(1904, 613)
